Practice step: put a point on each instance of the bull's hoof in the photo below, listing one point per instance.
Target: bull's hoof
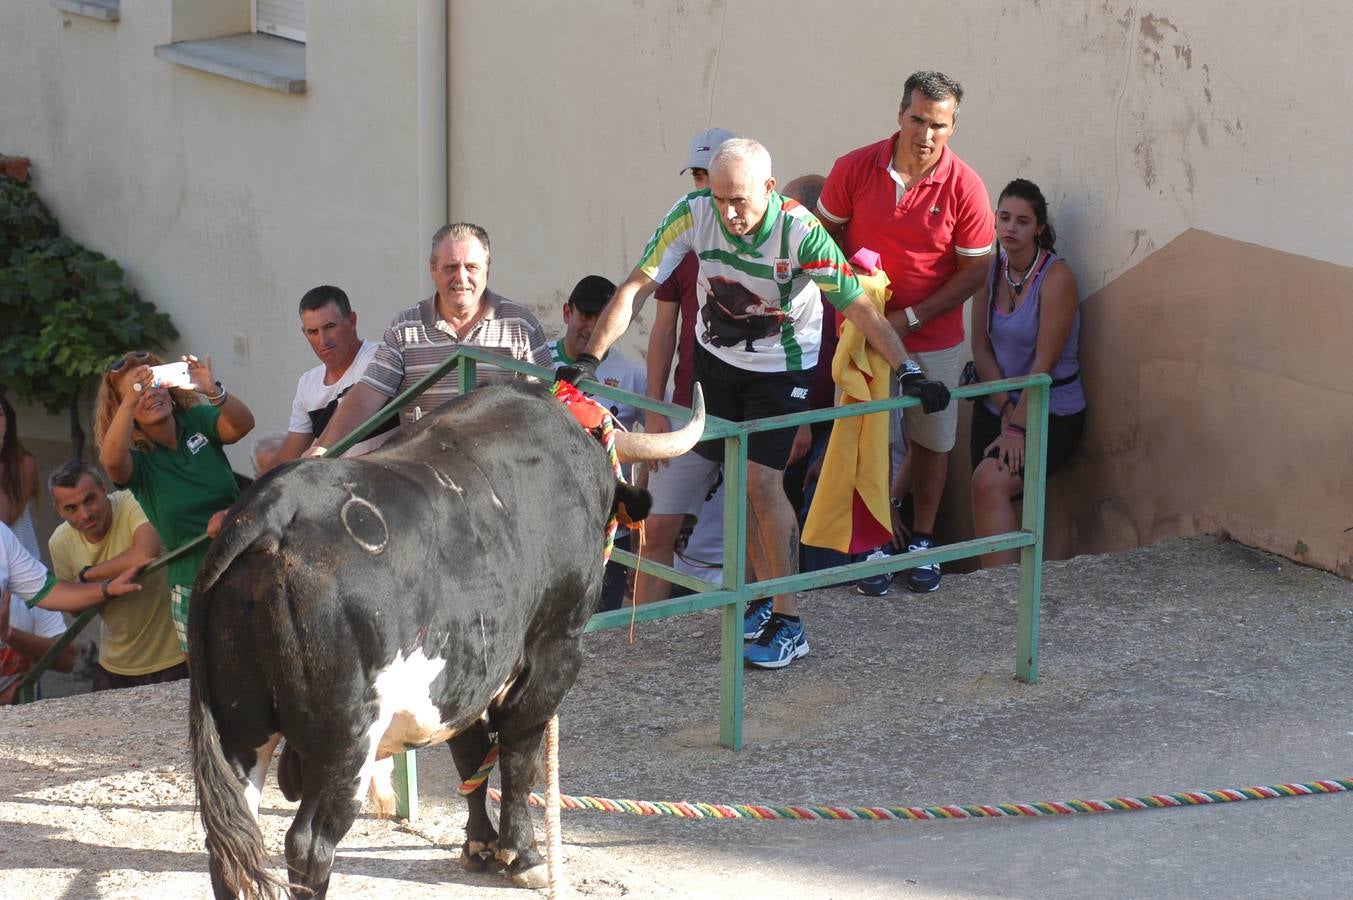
(478, 857)
(535, 877)
(526, 869)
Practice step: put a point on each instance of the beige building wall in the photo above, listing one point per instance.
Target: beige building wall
(225, 201)
(1191, 151)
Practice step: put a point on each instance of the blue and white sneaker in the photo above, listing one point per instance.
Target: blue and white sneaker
(755, 619)
(875, 585)
(923, 579)
(780, 644)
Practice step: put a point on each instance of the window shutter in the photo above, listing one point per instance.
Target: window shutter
(284, 18)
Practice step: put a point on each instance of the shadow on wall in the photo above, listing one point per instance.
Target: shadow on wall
(1220, 401)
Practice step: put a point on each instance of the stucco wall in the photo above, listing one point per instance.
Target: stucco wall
(1191, 152)
(1142, 123)
(225, 202)
(1222, 403)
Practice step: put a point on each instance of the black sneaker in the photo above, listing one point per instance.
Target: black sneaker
(875, 585)
(923, 579)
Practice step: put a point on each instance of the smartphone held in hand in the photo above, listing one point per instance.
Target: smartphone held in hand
(172, 375)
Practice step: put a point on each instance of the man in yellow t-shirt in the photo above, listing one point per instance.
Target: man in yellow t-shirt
(103, 535)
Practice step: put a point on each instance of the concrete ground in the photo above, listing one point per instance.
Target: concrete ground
(1193, 664)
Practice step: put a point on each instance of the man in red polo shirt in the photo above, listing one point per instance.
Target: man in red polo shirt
(927, 213)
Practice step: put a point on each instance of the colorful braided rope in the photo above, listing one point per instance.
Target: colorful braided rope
(471, 784)
(604, 432)
(686, 810)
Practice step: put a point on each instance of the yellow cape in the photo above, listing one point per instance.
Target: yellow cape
(850, 510)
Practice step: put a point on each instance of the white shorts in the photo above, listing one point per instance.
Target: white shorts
(681, 486)
(934, 431)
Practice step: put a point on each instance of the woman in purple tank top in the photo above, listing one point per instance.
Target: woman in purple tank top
(1026, 318)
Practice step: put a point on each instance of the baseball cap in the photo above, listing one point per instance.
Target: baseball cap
(591, 294)
(703, 146)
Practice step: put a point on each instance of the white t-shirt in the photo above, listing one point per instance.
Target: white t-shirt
(20, 572)
(771, 281)
(703, 556)
(25, 578)
(42, 622)
(315, 401)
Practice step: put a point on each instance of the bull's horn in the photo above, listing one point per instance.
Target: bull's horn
(636, 446)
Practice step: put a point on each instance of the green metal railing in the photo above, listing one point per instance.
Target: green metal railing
(734, 592)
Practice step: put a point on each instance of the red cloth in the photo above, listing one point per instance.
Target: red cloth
(587, 411)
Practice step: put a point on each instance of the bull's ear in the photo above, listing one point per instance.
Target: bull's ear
(631, 503)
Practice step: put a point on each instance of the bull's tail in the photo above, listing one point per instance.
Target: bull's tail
(234, 842)
(240, 864)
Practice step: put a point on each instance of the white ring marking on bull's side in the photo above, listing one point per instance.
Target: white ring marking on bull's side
(361, 542)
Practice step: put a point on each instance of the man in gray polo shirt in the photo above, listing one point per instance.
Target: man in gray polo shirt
(462, 312)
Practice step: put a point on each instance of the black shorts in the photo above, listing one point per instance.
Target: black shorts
(105, 680)
(740, 396)
(1064, 435)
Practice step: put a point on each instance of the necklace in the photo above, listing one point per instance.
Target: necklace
(1018, 287)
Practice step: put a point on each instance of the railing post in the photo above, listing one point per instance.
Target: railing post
(406, 785)
(734, 579)
(465, 368)
(1031, 557)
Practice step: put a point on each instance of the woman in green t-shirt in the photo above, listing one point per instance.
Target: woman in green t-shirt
(166, 444)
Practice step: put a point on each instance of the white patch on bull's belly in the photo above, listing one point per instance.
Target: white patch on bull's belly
(253, 786)
(407, 716)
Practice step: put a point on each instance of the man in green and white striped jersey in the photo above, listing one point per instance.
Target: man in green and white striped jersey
(765, 263)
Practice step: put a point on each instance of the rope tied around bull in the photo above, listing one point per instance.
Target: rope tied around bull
(475, 781)
(601, 423)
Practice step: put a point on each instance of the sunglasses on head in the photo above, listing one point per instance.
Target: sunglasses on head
(138, 356)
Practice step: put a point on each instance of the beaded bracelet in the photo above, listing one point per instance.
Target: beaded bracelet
(1012, 428)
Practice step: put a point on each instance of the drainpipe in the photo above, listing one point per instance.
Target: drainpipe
(433, 76)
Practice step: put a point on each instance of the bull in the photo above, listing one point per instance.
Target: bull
(435, 590)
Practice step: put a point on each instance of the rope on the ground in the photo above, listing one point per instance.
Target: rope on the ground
(688, 810)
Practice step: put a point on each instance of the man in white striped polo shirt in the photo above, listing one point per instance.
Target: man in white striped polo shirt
(765, 262)
(462, 311)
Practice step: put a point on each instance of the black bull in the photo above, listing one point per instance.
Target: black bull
(434, 590)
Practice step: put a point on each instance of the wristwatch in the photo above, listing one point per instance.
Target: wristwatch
(913, 321)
